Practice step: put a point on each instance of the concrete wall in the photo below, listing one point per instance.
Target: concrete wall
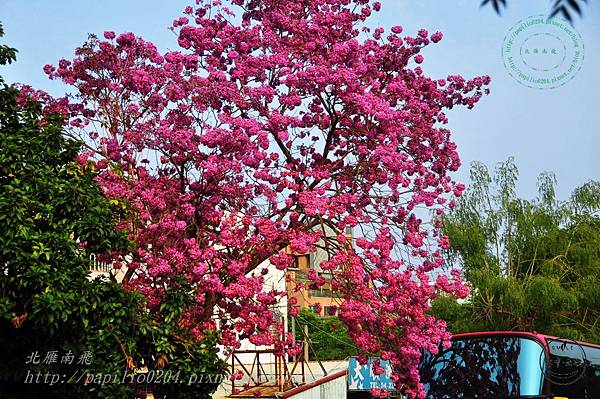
(274, 280)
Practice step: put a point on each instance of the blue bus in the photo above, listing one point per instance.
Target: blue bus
(503, 364)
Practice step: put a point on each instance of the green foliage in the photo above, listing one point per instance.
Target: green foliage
(48, 204)
(328, 335)
(52, 217)
(7, 54)
(532, 265)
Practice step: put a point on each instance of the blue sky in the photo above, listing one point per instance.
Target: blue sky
(545, 130)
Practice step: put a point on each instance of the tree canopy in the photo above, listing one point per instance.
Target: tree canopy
(532, 265)
(275, 122)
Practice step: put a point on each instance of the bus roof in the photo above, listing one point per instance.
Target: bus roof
(534, 335)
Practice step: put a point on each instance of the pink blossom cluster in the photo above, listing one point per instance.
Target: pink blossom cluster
(263, 133)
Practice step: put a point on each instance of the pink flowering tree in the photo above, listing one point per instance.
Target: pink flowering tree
(275, 124)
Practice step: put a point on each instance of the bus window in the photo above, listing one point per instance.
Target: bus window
(484, 367)
(574, 369)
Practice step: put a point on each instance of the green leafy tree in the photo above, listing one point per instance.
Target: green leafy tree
(328, 336)
(53, 216)
(532, 265)
(7, 54)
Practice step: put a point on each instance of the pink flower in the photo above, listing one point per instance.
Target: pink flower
(125, 39)
(437, 36)
(245, 148)
(49, 69)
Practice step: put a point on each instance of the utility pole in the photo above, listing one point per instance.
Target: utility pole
(293, 332)
(305, 343)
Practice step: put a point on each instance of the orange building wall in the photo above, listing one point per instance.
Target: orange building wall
(306, 297)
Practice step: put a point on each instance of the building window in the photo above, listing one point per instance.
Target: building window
(331, 310)
(326, 275)
(322, 293)
(296, 264)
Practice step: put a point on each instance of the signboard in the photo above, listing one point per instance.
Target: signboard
(362, 378)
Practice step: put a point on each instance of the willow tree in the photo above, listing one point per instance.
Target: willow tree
(533, 264)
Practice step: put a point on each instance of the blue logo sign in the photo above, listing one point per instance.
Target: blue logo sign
(362, 378)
